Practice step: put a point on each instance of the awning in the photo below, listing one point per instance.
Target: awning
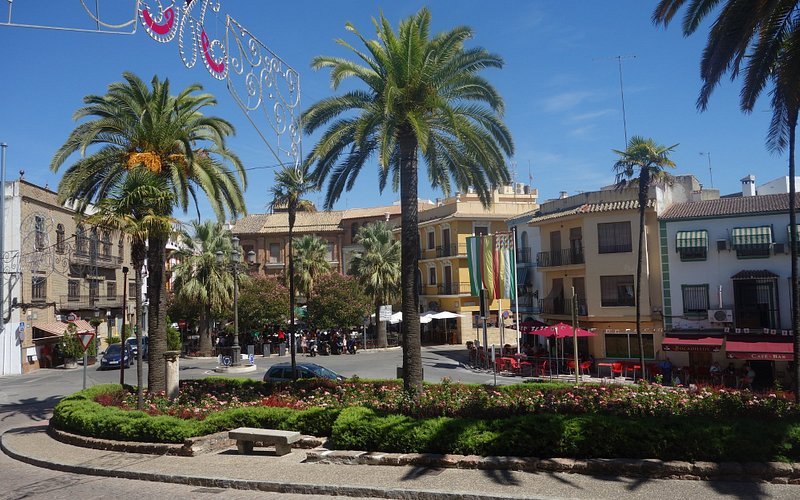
(692, 239)
(755, 274)
(761, 235)
(692, 343)
(56, 328)
(759, 349)
(796, 230)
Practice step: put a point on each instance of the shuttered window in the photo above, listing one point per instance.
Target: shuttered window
(695, 301)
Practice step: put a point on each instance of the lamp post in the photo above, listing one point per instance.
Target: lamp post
(123, 341)
(236, 350)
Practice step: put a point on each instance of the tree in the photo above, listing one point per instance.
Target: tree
(200, 279)
(291, 184)
(423, 98)
(136, 127)
(642, 165)
(134, 208)
(377, 269)
(338, 301)
(263, 300)
(766, 36)
(311, 262)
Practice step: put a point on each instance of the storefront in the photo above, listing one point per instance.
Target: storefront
(697, 352)
(768, 355)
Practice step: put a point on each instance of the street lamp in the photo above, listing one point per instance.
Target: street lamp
(235, 262)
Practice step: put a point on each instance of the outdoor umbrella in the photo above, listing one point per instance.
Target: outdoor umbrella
(561, 331)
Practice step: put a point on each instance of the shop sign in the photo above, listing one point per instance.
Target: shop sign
(761, 356)
(97, 277)
(690, 348)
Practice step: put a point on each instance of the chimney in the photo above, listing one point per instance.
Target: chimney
(386, 214)
(563, 194)
(749, 185)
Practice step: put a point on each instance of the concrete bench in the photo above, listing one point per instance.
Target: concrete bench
(246, 437)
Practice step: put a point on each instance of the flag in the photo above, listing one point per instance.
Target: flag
(491, 263)
(508, 261)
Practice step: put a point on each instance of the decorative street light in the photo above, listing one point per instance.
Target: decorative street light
(235, 263)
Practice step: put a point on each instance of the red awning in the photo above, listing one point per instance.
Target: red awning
(768, 350)
(694, 343)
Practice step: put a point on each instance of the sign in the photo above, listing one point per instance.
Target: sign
(95, 277)
(71, 317)
(251, 358)
(690, 348)
(386, 313)
(86, 339)
(761, 356)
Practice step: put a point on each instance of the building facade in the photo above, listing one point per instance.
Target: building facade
(529, 283)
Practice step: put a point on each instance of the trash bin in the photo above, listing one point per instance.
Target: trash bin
(282, 349)
(267, 349)
(251, 349)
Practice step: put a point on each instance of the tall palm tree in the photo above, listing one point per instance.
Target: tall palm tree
(766, 36)
(134, 208)
(291, 184)
(422, 98)
(139, 127)
(200, 279)
(642, 165)
(310, 256)
(377, 268)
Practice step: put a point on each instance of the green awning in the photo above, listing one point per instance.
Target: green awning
(743, 236)
(692, 239)
(796, 230)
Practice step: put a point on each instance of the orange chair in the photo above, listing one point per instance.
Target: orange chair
(585, 367)
(616, 368)
(571, 365)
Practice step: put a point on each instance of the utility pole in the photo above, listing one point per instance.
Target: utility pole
(622, 93)
(710, 174)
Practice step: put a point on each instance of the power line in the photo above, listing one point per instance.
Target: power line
(621, 92)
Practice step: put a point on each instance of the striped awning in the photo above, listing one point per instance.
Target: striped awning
(796, 230)
(743, 236)
(692, 239)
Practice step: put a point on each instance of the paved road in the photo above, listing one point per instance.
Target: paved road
(29, 399)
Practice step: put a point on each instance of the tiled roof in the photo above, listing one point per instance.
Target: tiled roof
(306, 222)
(729, 206)
(250, 224)
(755, 275)
(589, 208)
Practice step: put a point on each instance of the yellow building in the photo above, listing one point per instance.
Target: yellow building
(443, 274)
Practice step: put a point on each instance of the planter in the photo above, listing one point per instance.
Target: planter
(70, 363)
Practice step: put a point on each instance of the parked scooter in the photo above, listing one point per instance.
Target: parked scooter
(352, 347)
(312, 348)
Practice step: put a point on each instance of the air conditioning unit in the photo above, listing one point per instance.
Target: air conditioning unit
(779, 248)
(720, 315)
(723, 245)
(58, 317)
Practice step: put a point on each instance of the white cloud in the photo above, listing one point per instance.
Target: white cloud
(565, 101)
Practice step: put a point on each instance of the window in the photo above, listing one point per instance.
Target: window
(73, 290)
(274, 253)
(524, 240)
(111, 289)
(354, 230)
(692, 245)
(481, 230)
(752, 242)
(106, 244)
(431, 275)
(94, 290)
(614, 237)
(626, 345)
(60, 238)
(80, 239)
(41, 234)
(38, 288)
(431, 240)
(695, 301)
(121, 249)
(132, 291)
(616, 291)
(93, 241)
(329, 252)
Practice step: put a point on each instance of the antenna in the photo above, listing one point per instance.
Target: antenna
(710, 173)
(621, 91)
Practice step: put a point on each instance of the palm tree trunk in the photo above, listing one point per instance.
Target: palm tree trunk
(409, 244)
(644, 183)
(292, 215)
(795, 309)
(157, 313)
(205, 332)
(380, 326)
(139, 252)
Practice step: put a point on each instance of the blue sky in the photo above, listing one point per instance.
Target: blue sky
(560, 84)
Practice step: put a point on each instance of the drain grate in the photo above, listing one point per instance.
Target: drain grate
(212, 491)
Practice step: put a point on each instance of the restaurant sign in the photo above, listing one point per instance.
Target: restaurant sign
(95, 277)
(761, 356)
(690, 348)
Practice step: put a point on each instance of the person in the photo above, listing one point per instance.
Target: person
(304, 344)
(666, 370)
(729, 376)
(749, 376)
(715, 371)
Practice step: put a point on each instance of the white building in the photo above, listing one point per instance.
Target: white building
(529, 282)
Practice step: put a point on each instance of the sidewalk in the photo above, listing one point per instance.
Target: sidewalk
(263, 471)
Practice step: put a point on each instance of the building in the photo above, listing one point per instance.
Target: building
(727, 289)
(589, 244)
(60, 270)
(529, 285)
(443, 272)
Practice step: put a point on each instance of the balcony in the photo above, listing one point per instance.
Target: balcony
(523, 255)
(451, 250)
(561, 307)
(100, 260)
(90, 301)
(555, 258)
(455, 289)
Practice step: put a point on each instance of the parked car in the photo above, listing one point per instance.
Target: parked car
(131, 341)
(282, 372)
(111, 356)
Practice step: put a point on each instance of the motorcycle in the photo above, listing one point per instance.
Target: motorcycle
(325, 348)
(352, 348)
(312, 349)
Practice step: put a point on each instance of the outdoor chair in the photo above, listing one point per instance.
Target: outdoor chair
(616, 369)
(585, 367)
(525, 368)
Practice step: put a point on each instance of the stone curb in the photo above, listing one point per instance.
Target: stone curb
(773, 472)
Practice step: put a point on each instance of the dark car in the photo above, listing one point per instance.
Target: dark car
(282, 372)
(131, 341)
(111, 356)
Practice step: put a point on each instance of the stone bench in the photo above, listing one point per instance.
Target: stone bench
(246, 437)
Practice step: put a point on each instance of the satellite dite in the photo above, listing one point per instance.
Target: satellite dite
(263, 85)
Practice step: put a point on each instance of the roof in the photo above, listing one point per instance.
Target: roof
(762, 274)
(742, 205)
(250, 223)
(589, 208)
(83, 326)
(52, 327)
(306, 222)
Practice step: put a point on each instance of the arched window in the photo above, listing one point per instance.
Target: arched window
(60, 238)
(354, 229)
(80, 239)
(93, 241)
(40, 237)
(121, 249)
(524, 243)
(106, 244)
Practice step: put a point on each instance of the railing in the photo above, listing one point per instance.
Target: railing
(451, 250)
(454, 289)
(101, 260)
(90, 301)
(554, 258)
(527, 300)
(562, 307)
(612, 248)
(523, 255)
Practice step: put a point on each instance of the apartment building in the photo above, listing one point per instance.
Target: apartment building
(529, 285)
(58, 270)
(443, 274)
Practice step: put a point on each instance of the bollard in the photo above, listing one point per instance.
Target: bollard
(172, 373)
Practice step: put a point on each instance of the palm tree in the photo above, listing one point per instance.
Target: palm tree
(139, 127)
(423, 97)
(642, 165)
(134, 208)
(291, 184)
(377, 268)
(200, 279)
(310, 256)
(766, 36)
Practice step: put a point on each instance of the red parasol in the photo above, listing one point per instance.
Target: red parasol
(561, 331)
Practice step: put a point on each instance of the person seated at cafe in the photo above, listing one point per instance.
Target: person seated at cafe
(729, 376)
(715, 372)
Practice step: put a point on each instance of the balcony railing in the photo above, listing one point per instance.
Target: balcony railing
(561, 307)
(559, 258)
(526, 300)
(90, 301)
(523, 255)
(101, 260)
(451, 250)
(454, 289)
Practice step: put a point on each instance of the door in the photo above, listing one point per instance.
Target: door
(755, 303)
(555, 248)
(448, 281)
(700, 363)
(446, 250)
(580, 291)
(576, 245)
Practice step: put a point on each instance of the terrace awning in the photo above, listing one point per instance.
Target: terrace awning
(691, 239)
(760, 349)
(692, 343)
(743, 236)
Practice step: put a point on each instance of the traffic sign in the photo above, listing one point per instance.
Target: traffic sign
(86, 339)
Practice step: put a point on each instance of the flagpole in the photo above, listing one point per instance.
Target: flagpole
(501, 324)
(516, 289)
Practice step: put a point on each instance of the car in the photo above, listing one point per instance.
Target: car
(131, 341)
(282, 372)
(111, 356)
